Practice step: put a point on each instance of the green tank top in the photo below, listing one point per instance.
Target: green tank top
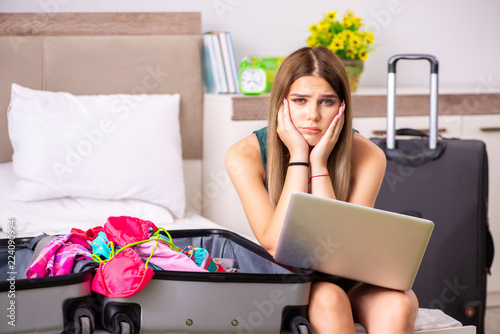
(262, 137)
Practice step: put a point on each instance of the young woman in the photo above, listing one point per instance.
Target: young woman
(310, 146)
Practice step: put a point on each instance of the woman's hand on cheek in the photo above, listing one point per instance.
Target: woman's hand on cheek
(290, 136)
(320, 153)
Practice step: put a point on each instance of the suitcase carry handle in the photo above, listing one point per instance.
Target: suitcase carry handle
(391, 98)
(411, 132)
(413, 154)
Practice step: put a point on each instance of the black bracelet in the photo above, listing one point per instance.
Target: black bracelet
(298, 164)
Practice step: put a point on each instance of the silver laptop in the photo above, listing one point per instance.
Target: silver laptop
(352, 241)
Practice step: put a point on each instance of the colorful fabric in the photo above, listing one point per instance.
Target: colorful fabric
(125, 272)
(101, 247)
(166, 258)
(59, 256)
(126, 230)
(90, 234)
(202, 258)
(122, 276)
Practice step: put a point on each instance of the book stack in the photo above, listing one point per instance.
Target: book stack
(220, 71)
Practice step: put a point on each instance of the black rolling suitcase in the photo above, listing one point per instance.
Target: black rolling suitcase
(56, 304)
(446, 181)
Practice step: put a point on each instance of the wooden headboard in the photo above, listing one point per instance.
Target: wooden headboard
(105, 53)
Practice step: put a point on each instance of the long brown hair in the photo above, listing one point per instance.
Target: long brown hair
(323, 63)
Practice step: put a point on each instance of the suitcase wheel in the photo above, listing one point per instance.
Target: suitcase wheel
(83, 321)
(302, 329)
(122, 324)
(300, 325)
(78, 315)
(85, 325)
(124, 327)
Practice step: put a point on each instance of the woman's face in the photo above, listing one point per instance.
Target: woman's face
(313, 105)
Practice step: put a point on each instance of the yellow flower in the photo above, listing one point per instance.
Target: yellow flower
(343, 36)
(348, 13)
(357, 22)
(363, 54)
(351, 53)
(355, 41)
(347, 22)
(313, 39)
(336, 44)
(313, 27)
(324, 26)
(347, 34)
(326, 38)
(368, 37)
(331, 16)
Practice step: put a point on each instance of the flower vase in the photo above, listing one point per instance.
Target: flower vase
(354, 68)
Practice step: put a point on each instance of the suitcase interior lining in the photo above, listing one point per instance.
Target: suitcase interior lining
(219, 246)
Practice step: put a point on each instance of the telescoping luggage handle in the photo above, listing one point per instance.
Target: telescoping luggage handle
(391, 98)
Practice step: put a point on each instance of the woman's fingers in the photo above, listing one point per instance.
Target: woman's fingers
(287, 120)
(337, 123)
(280, 116)
(327, 143)
(288, 133)
(341, 110)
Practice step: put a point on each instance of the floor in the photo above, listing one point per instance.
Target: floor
(492, 321)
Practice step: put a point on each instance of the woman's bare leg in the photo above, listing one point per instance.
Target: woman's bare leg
(382, 310)
(330, 309)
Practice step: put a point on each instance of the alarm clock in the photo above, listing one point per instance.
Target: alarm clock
(252, 78)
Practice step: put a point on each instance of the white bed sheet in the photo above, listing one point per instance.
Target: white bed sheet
(57, 216)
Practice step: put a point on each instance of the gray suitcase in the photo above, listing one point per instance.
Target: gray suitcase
(264, 297)
(42, 305)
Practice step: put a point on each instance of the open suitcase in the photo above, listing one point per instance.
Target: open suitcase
(445, 181)
(41, 305)
(263, 297)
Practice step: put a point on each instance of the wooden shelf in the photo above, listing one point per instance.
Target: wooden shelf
(375, 105)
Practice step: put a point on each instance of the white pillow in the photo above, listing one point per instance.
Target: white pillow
(97, 146)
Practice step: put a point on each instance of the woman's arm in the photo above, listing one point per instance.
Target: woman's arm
(247, 173)
(368, 169)
(246, 170)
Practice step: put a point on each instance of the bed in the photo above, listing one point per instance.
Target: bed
(128, 54)
(117, 128)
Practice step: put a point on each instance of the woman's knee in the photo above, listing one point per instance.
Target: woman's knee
(404, 311)
(378, 308)
(406, 303)
(330, 309)
(400, 304)
(328, 297)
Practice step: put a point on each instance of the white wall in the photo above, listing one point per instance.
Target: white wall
(463, 34)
